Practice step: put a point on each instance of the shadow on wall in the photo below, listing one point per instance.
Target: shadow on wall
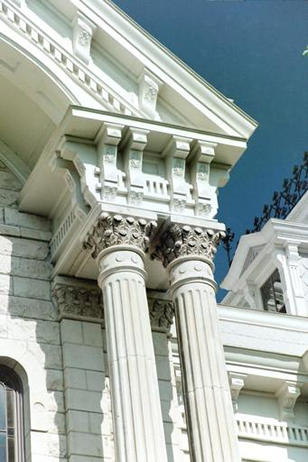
(30, 342)
(170, 390)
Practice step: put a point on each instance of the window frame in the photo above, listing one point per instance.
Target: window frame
(10, 380)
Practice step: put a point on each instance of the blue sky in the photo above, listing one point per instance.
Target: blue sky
(252, 52)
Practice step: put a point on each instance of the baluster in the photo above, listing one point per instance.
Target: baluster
(242, 426)
(272, 430)
(156, 189)
(266, 430)
(297, 436)
(300, 432)
(259, 429)
(253, 428)
(164, 185)
(284, 433)
(279, 432)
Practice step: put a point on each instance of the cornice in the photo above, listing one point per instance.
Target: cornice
(72, 66)
(161, 126)
(148, 54)
(262, 318)
(170, 69)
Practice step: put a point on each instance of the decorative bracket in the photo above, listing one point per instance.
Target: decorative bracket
(237, 382)
(149, 86)
(203, 194)
(176, 153)
(134, 143)
(83, 30)
(287, 396)
(107, 152)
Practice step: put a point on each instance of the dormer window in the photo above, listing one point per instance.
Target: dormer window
(272, 294)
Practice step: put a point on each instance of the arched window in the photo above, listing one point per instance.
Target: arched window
(11, 416)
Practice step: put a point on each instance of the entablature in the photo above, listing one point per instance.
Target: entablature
(97, 159)
(143, 163)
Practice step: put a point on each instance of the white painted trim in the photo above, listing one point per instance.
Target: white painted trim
(263, 319)
(167, 67)
(14, 163)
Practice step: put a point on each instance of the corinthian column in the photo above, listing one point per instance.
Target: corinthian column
(118, 244)
(187, 253)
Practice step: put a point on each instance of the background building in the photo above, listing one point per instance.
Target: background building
(112, 152)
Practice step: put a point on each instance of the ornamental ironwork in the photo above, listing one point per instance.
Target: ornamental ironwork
(283, 202)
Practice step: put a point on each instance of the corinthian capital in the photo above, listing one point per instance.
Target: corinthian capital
(183, 240)
(111, 230)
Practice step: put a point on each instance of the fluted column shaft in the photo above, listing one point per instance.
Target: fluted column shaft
(138, 424)
(187, 252)
(206, 389)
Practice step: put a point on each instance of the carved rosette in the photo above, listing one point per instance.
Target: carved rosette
(81, 303)
(84, 38)
(183, 240)
(112, 230)
(161, 314)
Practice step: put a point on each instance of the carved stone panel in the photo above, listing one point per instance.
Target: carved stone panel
(161, 313)
(82, 301)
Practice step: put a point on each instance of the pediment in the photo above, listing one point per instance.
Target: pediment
(248, 249)
(253, 252)
(124, 70)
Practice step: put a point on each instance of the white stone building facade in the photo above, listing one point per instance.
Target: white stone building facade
(112, 347)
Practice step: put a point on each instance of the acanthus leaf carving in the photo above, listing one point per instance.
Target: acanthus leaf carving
(161, 314)
(111, 230)
(79, 302)
(183, 240)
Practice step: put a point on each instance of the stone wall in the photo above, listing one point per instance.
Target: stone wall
(60, 355)
(29, 328)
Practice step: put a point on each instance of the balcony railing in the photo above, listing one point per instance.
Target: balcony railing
(279, 432)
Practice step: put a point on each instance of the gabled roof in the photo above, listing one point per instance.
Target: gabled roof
(126, 68)
(253, 248)
(201, 102)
